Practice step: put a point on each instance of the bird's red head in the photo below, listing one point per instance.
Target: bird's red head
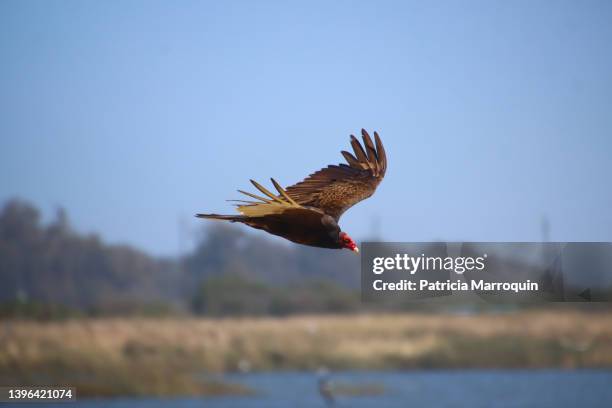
(347, 242)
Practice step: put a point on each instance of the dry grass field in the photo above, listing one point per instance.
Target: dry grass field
(141, 356)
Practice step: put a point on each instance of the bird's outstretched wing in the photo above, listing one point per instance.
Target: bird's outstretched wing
(336, 188)
(281, 215)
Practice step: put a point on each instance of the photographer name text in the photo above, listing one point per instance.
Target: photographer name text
(459, 265)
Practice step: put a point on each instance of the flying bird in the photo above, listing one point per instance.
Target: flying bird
(308, 212)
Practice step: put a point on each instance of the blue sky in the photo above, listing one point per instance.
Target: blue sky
(136, 115)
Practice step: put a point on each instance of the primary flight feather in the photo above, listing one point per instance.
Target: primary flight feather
(308, 212)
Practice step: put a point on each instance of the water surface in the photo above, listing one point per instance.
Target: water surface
(459, 388)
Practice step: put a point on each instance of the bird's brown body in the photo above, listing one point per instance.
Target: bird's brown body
(308, 212)
(305, 227)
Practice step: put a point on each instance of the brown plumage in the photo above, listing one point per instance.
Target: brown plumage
(308, 212)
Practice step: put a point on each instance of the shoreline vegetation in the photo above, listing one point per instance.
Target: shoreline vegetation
(104, 357)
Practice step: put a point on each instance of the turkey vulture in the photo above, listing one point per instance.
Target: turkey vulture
(308, 212)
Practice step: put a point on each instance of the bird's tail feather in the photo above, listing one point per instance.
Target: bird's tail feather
(231, 218)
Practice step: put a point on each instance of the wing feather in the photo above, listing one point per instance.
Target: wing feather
(352, 160)
(265, 200)
(336, 188)
(267, 206)
(265, 191)
(359, 153)
(381, 150)
(283, 193)
(370, 150)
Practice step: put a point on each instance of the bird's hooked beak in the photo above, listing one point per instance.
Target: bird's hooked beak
(356, 250)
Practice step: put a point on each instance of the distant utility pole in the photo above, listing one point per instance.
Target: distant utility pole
(375, 224)
(545, 229)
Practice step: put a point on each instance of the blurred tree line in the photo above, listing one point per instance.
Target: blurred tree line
(51, 271)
